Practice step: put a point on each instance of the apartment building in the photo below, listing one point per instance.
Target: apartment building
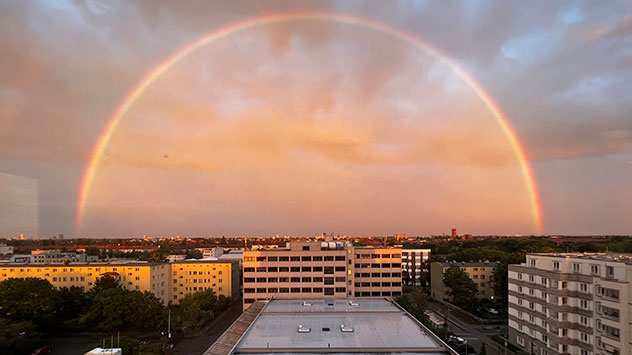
(481, 272)
(413, 262)
(138, 276)
(311, 269)
(571, 303)
(189, 276)
(57, 256)
(169, 282)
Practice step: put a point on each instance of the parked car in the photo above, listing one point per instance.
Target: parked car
(453, 339)
(43, 350)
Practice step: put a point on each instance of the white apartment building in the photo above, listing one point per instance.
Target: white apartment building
(413, 262)
(314, 270)
(571, 303)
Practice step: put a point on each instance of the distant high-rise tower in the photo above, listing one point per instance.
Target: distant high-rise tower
(454, 235)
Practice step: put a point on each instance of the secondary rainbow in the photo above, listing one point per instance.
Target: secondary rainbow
(155, 73)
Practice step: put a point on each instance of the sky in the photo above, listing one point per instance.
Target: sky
(305, 127)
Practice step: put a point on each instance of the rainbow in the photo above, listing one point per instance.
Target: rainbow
(155, 73)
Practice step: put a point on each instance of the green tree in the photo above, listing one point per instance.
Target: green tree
(197, 309)
(462, 289)
(104, 283)
(30, 299)
(193, 254)
(405, 277)
(415, 302)
(17, 337)
(115, 309)
(71, 303)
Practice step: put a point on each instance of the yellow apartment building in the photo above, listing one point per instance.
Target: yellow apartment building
(481, 272)
(168, 282)
(189, 276)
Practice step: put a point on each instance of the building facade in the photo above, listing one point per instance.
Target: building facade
(413, 262)
(481, 272)
(57, 256)
(189, 276)
(571, 303)
(169, 282)
(311, 269)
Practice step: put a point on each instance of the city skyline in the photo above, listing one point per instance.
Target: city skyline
(357, 118)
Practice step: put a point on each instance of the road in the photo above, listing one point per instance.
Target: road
(197, 345)
(473, 333)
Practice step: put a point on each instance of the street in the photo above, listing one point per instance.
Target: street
(473, 333)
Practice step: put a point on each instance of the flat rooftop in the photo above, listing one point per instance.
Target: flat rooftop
(337, 326)
(617, 257)
(469, 263)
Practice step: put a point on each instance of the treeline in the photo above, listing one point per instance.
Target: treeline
(31, 308)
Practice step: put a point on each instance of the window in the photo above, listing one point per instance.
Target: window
(295, 269)
(306, 290)
(329, 270)
(305, 247)
(271, 269)
(532, 262)
(259, 269)
(317, 289)
(341, 290)
(273, 258)
(261, 258)
(284, 269)
(329, 280)
(295, 290)
(584, 321)
(609, 271)
(584, 337)
(295, 279)
(284, 290)
(261, 290)
(520, 340)
(556, 265)
(306, 269)
(564, 285)
(576, 267)
(284, 258)
(329, 291)
(249, 279)
(249, 290)
(317, 258)
(295, 258)
(306, 279)
(340, 268)
(329, 258)
(317, 268)
(584, 304)
(306, 258)
(594, 269)
(249, 269)
(583, 287)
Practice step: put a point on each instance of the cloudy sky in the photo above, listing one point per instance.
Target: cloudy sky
(311, 126)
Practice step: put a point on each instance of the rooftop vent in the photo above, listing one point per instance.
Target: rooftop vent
(304, 329)
(325, 329)
(306, 304)
(353, 304)
(346, 329)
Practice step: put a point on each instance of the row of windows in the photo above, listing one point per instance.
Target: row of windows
(198, 272)
(294, 258)
(377, 266)
(378, 284)
(377, 294)
(377, 274)
(376, 256)
(326, 269)
(326, 290)
(327, 280)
